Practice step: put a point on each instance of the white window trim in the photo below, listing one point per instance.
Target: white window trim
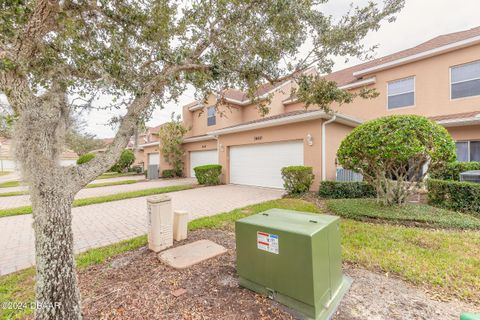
(468, 148)
(414, 93)
(452, 83)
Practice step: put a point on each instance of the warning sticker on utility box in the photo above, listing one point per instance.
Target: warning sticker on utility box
(267, 242)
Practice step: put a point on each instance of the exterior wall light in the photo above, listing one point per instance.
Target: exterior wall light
(309, 139)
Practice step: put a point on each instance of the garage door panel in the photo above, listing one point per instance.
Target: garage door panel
(200, 158)
(260, 164)
(154, 158)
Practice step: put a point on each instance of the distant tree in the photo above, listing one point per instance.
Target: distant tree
(82, 143)
(143, 54)
(84, 158)
(171, 139)
(395, 153)
(127, 158)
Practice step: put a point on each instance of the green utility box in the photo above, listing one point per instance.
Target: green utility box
(294, 258)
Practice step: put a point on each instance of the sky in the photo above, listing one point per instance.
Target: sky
(418, 22)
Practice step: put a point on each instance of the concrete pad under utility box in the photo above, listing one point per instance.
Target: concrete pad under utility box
(190, 254)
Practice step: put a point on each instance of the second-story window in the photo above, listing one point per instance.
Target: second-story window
(465, 80)
(211, 119)
(401, 93)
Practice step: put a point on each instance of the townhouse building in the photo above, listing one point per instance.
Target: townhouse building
(439, 79)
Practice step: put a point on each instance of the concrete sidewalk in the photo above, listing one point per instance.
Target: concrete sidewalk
(106, 223)
(20, 201)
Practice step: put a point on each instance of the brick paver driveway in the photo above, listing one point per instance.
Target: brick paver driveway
(19, 201)
(107, 223)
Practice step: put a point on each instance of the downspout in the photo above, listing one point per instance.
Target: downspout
(324, 139)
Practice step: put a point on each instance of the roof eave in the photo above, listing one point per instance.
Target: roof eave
(459, 122)
(350, 121)
(419, 56)
(196, 139)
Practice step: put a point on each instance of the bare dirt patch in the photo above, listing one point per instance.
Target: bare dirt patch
(136, 285)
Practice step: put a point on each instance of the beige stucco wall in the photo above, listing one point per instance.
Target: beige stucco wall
(432, 88)
(465, 133)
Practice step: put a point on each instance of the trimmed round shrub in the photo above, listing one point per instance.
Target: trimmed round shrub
(84, 158)
(297, 179)
(346, 190)
(208, 174)
(168, 173)
(392, 152)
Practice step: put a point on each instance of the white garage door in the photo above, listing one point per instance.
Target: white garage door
(154, 158)
(200, 158)
(260, 164)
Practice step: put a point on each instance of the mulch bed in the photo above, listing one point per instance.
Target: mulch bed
(135, 285)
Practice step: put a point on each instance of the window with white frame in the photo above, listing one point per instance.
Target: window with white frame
(465, 80)
(468, 151)
(401, 93)
(211, 118)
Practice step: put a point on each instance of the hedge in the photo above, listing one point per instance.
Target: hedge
(346, 190)
(208, 174)
(297, 179)
(454, 195)
(85, 158)
(452, 170)
(168, 173)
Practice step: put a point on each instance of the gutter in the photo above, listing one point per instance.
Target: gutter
(324, 147)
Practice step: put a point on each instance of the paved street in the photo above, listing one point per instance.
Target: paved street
(107, 223)
(19, 201)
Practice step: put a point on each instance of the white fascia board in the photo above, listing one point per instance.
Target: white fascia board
(358, 84)
(459, 122)
(286, 120)
(195, 139)
(149, 144)
(271, 123)
(197, 106)
(419, 56)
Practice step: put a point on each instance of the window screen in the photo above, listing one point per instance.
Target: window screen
(462, 151)
(211, 119)
(474, 150)
(465, 80)
(401, 93)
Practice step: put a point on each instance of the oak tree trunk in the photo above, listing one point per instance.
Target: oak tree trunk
(39, 136)
(57, 293)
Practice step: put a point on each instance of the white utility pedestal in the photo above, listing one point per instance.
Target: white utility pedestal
(160, 223)
(180, 225)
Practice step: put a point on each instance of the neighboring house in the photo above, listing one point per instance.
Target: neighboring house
(148, 149)
(439, 79)
(7, 162)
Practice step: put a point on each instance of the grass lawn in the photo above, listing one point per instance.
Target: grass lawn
(446, 262)
(411, 214)
(92, 185)
(113, 183)
(9, 184)
(4, 173)
(109, 175)
(13, 193)
(102, 199)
